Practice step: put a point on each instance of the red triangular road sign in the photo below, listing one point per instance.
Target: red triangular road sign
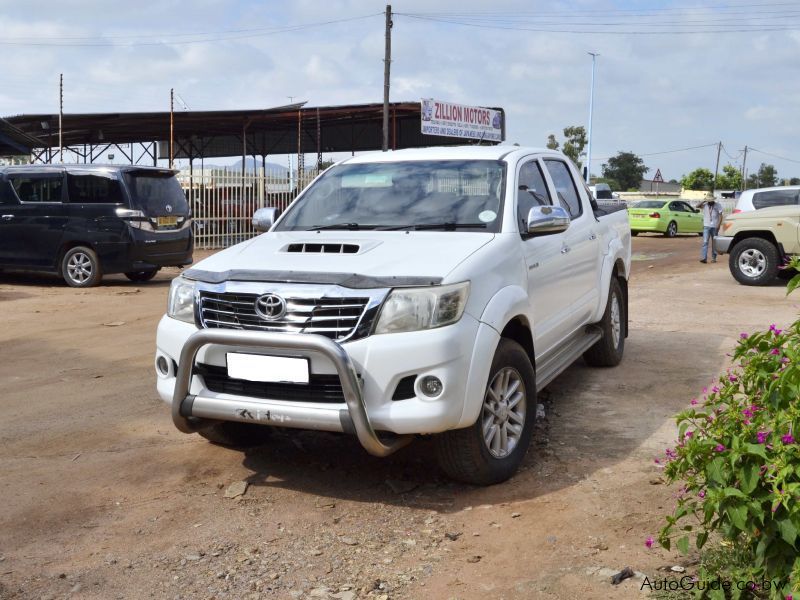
(658, 178)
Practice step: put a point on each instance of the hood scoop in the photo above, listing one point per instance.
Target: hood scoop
(322, 248)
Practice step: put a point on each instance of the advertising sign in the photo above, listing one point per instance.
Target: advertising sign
(459, 120)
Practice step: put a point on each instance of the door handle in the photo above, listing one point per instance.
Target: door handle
(7, 217)
(565, 249)
(593, 236)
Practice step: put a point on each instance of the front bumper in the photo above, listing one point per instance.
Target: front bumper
(369, 370)
(722, 243)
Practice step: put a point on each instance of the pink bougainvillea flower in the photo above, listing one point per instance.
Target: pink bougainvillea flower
(762, 436)
(719, 448)
(715, 389)
(774, 329)
(732, 378)
(655, 460)
(775, 352)
(785, 359)
(649, 541)
(787, 439)
(701, 493)
(688, 434)
(743, 336)
(693, 402)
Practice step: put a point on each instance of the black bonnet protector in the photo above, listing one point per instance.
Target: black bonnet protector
(348, 280)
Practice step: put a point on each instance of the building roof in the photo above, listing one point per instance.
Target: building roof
(14, 141)
(349, 128)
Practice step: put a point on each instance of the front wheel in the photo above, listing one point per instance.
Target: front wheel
(754, 261)
(491, 450)
(141, 275)
(80, 267)
(608, 350)
(672, 230)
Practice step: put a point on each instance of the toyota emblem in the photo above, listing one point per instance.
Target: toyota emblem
(270, 307)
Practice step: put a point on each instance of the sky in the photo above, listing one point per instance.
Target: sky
(670, 75)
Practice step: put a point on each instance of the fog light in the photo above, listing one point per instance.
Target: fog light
(162, 365)
(431, 386)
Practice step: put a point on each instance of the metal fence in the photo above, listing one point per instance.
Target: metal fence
(223, 202)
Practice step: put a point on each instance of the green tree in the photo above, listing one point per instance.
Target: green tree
(794, 181)
(729, 179)
(574, 143)
(699, 179)
(626, 169)
(767, 175)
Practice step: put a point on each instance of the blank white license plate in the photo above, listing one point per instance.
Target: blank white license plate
(257, 367)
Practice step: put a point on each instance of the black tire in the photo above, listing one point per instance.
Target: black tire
(634, 233)
(754, 261)
(80, 267)
(235, 434)
(608, 350)
(672, 230)
(700, 234)
(141, 275)
(464, 454)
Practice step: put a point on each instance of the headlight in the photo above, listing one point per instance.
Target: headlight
(181, 300)
(412, 309)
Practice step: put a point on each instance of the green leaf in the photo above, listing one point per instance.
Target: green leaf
(715, 470)
(683, 544)
(757, 450)
(788, 531)
(749, 478)
(738, 516)
(731, 492)
(702, 538)
(792, 285)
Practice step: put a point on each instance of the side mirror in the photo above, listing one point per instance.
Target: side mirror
(263, 218)
(544, 220)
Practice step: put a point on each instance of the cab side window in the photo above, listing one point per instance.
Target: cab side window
(565, 187)
(93, 189)
(41, 188)
(531, 191)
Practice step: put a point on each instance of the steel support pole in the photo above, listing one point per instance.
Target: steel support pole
(589, 133)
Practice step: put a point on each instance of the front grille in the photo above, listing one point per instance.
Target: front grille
(335, 318)
(320, 388)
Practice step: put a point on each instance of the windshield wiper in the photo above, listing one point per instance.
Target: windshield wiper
(447, 226)
(350, 226)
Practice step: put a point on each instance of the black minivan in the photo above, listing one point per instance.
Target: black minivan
(86, 220)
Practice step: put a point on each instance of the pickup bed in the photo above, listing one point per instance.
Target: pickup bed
(415, 292)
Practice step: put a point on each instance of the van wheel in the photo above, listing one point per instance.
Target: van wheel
(141, 275)
(491, 450)
(754, 261)
(607, 351)
(80, 267)
(235, 434)
(672, 230)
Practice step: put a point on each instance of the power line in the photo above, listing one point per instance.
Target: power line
(219, 36)
(792, 160)
(668, 151)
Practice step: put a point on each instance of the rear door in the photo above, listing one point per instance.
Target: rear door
(579, 277)
(33, 220)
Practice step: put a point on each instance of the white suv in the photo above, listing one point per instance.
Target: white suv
(765, 197)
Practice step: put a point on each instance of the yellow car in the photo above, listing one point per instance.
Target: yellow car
(669, 217)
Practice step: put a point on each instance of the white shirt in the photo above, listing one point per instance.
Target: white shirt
(712, 214)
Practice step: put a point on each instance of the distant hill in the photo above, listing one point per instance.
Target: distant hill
(272, 169)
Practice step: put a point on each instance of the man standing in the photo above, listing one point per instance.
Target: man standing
(712, 218)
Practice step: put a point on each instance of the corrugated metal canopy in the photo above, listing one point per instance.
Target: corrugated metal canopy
(262, 132)
(13, 141)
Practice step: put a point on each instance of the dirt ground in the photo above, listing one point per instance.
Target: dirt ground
(103, 498)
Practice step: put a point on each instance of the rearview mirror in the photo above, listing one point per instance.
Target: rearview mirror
(545, 220)
(263, 218)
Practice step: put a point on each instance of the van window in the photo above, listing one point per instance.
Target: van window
(37, 188)
(156, 193)
(93, 189)
(774, 198)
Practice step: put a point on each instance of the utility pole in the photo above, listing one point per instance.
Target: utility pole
(591, 106)
(387, 61)
(171, 125)
(716, 170)
(744, 170)
(60, 117)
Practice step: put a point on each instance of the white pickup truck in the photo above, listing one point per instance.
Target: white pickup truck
(429, 291)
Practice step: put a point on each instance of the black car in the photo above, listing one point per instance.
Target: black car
(86, 220)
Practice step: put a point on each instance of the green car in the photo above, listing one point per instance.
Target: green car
(669, 217)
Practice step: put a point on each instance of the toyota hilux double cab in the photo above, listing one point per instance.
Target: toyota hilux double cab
(416, 292)
(83, 221)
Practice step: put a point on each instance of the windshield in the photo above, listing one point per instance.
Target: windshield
(157, 194)
(447, 195)
(648, 204)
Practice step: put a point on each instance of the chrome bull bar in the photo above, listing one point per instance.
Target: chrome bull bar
(353, 396)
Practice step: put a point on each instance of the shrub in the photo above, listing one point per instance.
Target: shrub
(738, 460)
